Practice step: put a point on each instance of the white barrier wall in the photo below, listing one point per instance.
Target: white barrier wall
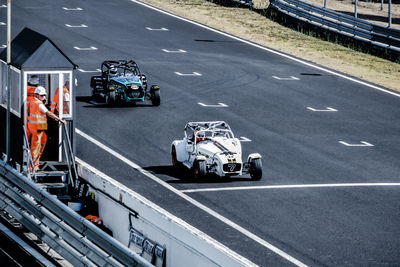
(184, 244)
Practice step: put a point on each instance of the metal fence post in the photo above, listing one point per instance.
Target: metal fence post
(355, 8)
(8, 129)
(390, 13)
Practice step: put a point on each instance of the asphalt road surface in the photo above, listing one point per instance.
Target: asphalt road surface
(329, 195)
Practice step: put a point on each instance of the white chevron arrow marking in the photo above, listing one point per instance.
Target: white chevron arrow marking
(291, 78)
(220, 105)
(362, 143)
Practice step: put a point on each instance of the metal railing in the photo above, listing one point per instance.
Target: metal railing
(344, 24)
(70, 157)
(76, 239)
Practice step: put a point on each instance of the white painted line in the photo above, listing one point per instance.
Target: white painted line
(188, 74)
(160, 29)
(194, 231)
(72, 9)
(25, 246)
(289, 187)
(174, 51)
(76, 26)
(85, 48)
(220, 105)
(291, 78)
(193, 201)
(363, 143)
(270, 50)
(244, 139)
(89, 71)
(322, 110)
(2, 23)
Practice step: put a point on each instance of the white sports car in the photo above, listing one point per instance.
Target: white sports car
(210, 147)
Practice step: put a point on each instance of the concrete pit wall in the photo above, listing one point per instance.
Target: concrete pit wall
(183, 244)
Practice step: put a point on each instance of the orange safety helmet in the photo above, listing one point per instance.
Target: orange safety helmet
(94, 219)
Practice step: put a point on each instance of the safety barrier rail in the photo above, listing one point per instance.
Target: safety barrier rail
(344, 24)
(76, 239)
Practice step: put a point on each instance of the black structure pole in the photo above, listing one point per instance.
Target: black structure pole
(8, 129)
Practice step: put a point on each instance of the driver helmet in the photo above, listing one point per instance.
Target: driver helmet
(201, 137)
(113, 71)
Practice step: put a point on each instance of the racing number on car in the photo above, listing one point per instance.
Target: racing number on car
(232, 167)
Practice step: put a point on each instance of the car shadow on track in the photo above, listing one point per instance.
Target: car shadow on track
(99, 104)
(184, 176)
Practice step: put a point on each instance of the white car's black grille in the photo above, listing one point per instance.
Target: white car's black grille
(231, 167)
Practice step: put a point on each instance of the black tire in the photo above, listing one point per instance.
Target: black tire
(174, 159)
(111, 98)
(199, 170)
(255, 169)
(155, 98)
(107, 99)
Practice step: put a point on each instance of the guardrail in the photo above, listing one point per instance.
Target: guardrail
(76, 239)
(344, 24)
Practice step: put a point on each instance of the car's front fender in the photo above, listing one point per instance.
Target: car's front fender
(180, 148)
(253, 156)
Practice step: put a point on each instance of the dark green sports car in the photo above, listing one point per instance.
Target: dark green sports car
(121, 82)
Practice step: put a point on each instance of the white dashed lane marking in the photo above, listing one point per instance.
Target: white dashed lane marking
(188, 74)
(89, 71)
(220, 105)
(174, 51)
(85, 48)
(328, 109)
(73, 9)
(76, 26)
(160, 29)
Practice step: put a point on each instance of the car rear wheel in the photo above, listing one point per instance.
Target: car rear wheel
(199, 170)
(255, 169)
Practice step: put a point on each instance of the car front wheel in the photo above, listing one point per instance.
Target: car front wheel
(255, 169)
(155, 98)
